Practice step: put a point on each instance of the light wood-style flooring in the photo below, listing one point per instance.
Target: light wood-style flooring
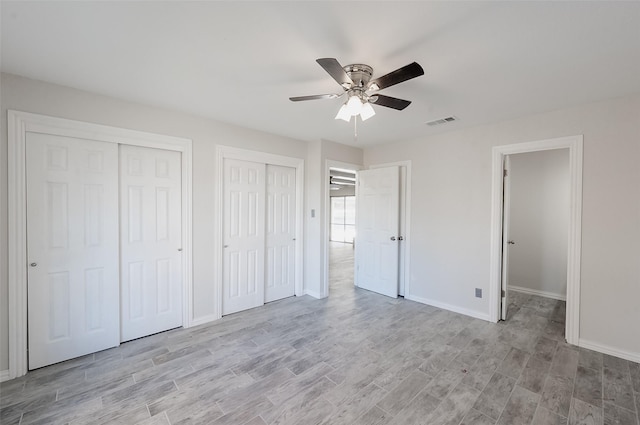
(354, 358)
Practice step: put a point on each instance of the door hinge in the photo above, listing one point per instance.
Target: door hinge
(504, 293)
(504, 174)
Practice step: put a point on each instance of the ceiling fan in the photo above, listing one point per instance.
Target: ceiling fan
(362, 92)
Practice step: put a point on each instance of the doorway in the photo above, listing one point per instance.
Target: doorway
(342, 225)
(402, 236)
(499, 264)
(535, 234)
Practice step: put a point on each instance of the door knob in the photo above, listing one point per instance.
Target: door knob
(393, 238)
(179, 249)
(511, 242)
(400, 238)
(33, 264)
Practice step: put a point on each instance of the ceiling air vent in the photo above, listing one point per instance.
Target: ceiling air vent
(442, 121)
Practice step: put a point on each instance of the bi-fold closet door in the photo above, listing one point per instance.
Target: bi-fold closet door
(103, 233)
(259, 222)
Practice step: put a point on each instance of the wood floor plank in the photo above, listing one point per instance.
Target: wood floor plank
(355, 357)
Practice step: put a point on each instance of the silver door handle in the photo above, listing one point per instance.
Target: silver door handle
(511, 242)
(33, 264)
(179, 249)
(393, 238)
(400, 238)
(226, 246)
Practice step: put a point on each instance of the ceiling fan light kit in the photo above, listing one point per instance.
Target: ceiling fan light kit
(343, 113)
(355, 80)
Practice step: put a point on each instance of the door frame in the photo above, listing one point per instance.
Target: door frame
(228, 152)
(405, 258)
(328, 165)
(506, 227)
(575, 146)
(19, 123)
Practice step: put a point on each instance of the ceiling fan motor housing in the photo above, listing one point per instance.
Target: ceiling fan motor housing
(359, 73)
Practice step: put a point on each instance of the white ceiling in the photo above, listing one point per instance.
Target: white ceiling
(239, 62)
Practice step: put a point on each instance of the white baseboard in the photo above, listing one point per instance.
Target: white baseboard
(314, 294)
(445, 306)
(202, 320)
(552, 295)
(4, 375)
(605, 349)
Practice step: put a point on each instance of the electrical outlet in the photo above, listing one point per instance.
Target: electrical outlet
(478, 292)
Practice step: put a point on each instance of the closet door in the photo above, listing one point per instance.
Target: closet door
(281, 232)
(72, 236)
(150, 241)
(244, 235)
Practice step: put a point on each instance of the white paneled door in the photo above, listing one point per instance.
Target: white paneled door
(72, 237)
(150, 241)
(377, 227)
(280, 232)
(243, 235)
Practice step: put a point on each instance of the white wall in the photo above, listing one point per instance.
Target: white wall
(42, 98)
(539, 221)
(451, 206)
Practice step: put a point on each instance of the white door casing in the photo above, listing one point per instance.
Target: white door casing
(506, 220)
(402, 224)
(280, 232)
(72, 239)
(377, 216)
(150, 241)
(243, 235)
(575, 146)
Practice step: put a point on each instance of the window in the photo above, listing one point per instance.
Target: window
(343, 219)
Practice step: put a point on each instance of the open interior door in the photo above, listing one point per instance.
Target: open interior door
(506, 213)
(377, 227)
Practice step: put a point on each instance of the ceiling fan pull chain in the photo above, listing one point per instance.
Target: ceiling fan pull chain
(355, 129)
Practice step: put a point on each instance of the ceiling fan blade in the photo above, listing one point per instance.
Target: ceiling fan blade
(389, 102)
(333, 67)
(405, 73)
(314, 97)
